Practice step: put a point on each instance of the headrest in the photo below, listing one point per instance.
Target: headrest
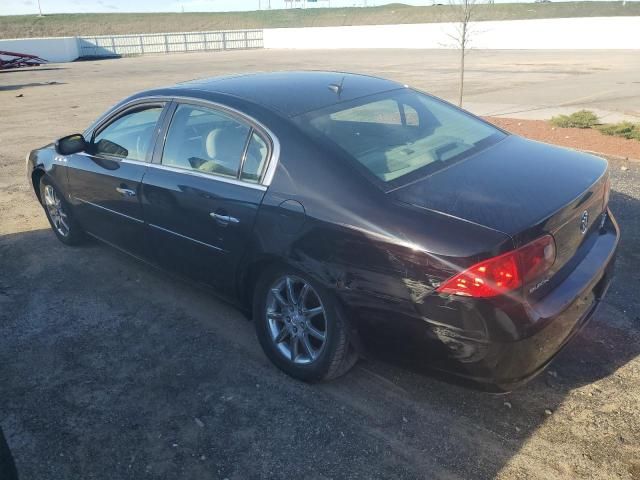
(226, 144)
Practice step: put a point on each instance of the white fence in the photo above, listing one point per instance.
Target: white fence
(141, 44)
(68, 49)
(558, 33)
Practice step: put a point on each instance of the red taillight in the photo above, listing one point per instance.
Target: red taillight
(505, 272)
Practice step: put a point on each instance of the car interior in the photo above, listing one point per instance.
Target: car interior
(211, 142)
(392, 138)
(129, 136)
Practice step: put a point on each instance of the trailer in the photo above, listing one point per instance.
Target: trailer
(18, 60)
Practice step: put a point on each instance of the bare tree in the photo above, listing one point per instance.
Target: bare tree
(463, 13)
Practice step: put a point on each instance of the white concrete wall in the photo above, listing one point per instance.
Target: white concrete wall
(560, 33)
(61, 49)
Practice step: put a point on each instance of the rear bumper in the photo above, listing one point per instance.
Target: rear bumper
(542, 329)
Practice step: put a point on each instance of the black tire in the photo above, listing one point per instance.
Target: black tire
(7, 465)
(336, 356)
(71, 233)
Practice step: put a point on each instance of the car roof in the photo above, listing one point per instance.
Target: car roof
(292, 93)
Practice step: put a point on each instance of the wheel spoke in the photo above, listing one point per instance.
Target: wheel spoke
(281, 335)
(279, 298)
(290, 294)
(48, 196)
(312, 312)
(275, 315)
(63, 223)
(303, 294)
(314, 332)
(293, 346)
(307, 346)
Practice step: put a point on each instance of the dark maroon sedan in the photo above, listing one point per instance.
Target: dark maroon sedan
(347, 214)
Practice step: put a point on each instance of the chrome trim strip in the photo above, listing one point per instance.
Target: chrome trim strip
(109, 210)
(114, 159)
(196, 173)
(273, 161)
(188, 238)
(209, 176)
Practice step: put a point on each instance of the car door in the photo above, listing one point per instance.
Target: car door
(105, 180)
(202, 191)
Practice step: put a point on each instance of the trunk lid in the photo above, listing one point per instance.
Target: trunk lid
(524, 189)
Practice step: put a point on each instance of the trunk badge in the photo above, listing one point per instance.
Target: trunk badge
(584, 222)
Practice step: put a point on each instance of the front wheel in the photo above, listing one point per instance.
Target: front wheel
(59, 214)
(300, 327)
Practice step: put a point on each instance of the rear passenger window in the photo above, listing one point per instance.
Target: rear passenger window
(205, 140)
(255, 160)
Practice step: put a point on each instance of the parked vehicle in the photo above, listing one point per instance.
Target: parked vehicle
(347, 214)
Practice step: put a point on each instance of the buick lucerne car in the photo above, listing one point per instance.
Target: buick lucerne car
(347, 214)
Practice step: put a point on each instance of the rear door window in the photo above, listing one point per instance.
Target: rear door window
(205, 140)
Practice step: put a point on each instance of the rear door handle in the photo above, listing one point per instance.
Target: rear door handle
(224, 219)
(126, 192)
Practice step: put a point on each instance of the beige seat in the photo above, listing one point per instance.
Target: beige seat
(224, 147)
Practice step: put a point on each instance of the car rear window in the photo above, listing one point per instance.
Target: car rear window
(400, 135)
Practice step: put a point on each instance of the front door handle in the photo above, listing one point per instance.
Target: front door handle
(126, 192)
(224, 219)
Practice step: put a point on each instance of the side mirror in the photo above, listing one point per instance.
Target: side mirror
(71, 144)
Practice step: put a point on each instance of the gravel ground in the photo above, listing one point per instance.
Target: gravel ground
(112, 369)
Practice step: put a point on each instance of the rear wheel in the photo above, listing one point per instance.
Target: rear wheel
(59, 214)
(300, 327)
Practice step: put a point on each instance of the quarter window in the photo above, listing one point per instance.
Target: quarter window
(256, 159)
(129, 136)
(205, 140)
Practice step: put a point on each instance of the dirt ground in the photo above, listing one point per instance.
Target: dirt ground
(110, 369)
(589, 139)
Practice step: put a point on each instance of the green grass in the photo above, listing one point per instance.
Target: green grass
(587, 119)
(580, 119)
(623, 129)
(20, 26)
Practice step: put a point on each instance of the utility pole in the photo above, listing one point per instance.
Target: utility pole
(40, 9)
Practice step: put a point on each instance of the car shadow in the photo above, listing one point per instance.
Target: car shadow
(8, 71)
(112, 369)
(20, 86)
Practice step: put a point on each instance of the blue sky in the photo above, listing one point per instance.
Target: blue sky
(16, 7)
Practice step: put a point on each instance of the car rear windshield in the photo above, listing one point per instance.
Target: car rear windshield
(400, 135)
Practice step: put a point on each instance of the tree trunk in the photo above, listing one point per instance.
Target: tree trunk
(463, 42)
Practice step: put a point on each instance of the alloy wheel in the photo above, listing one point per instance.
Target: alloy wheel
(56, 211)
(296, 320)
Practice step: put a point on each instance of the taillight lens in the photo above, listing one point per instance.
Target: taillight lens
(607, 192)
(505, 272)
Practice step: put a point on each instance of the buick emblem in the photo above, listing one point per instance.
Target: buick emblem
(584, 222)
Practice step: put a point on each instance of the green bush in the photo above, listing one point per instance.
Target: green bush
(622, 129)
(581, 119)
